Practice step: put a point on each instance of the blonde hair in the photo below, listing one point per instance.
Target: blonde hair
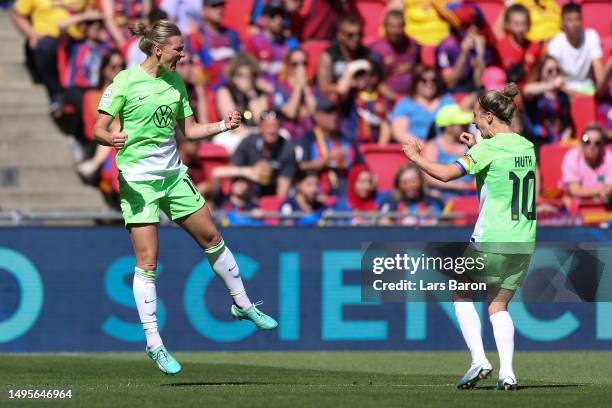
(500, 104)
(157, 34)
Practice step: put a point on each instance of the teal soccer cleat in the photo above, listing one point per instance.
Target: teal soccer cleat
(166, 363)
(261, 320)
(476, 373)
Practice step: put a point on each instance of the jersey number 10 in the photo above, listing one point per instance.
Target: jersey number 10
(528, 208)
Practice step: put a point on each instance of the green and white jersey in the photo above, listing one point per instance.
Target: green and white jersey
(505, 170)
(148, 108)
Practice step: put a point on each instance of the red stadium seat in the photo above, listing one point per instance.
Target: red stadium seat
(597, 14)
(212, 155)
(468, 206)
(372, 12)
(384, 161)
(314, 49)
(270, 204)
(551, 158)
(211, 104)
(606, 45)
(237, 16)
(583, 112)
(428, 55)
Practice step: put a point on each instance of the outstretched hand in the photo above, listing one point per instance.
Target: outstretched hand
(233, 120)
(412, 148)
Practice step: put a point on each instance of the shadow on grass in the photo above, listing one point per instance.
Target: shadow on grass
(525, 387)
(214, 383)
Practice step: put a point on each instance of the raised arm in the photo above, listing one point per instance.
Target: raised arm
(197, 131)
(442, 172)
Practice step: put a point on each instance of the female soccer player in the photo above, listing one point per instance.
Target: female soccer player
(504, 165)
(151, 100)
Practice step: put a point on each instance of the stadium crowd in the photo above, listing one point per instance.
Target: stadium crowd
(329, 89)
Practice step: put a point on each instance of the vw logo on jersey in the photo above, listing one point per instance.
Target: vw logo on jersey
(162, 116)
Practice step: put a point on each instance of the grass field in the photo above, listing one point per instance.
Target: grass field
(307, 379)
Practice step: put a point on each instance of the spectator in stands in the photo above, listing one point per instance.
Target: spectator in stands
(293, 95)
(241, 94)
(79, 62)
(545, 17)
(446, 148)
(265, 158)
(186, 13)
(120, 14)
(240, 205)
(517, 54)
(327, 150)
(547, 111)
(310, 19)
(342, 60)
(213, 46)
(604, 101)
(464, 54)
(366, 110)
(422, 21)
(270, 44)
(110, 66)
(578, 52)
(410, 195)
(188, 149)
(398, 53)
(39, 21)
(587, 169)
(306, 200)
(414, 114)
(361, 196)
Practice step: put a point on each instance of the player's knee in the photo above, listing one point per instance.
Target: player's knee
(147, 261)
(213, 238)
(495, 307)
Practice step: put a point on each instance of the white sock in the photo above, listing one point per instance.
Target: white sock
(503, 330)
(146, 302)
(469, 322)
(225, 266)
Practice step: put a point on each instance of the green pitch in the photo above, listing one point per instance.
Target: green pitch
(309, 379)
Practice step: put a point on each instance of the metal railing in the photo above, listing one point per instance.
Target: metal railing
(327, 218)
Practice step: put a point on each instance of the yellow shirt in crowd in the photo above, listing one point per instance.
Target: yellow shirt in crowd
(423, 23)
(545, 18)
(47, 14)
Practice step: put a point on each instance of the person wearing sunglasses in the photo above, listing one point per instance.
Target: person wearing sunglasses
(342, 60)
(270, 44)
(293, 95)
(414, 114)
(547, 114)
(587, 169)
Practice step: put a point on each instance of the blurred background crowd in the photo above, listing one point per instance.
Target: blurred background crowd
(329, 89)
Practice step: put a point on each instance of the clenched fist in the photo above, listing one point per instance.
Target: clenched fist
(467, 139)
(118, 140)
(233, 120)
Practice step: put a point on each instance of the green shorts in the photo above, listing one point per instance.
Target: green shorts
(507, 271)
(177, 196)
